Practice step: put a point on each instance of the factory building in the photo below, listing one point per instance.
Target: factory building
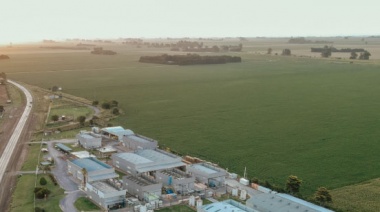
(180, 181)
(106, 193)
(115, 133)
(146, 160)
(266, 202)
(89, 140)
(207, 174)
(96, 170)
(142, 186)
(226, 206)
(136, 142)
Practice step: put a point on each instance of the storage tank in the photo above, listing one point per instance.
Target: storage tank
(243, 195)
(244, 181)
(235, 192)
(143, 208)
(199, 204)
(233, 175)
(192, 201)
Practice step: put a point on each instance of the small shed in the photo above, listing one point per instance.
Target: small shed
(63, 148)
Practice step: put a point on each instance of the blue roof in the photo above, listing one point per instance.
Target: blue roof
(64, 147)
(226, 206)
(91, 164)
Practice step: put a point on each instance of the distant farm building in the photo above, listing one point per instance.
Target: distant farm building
(89, 140)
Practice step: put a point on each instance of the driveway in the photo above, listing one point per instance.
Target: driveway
(63, 178)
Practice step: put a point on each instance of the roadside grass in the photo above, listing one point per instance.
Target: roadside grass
(52, 202)
(177, 208)
(84, 204)
(360, 197)
(69, 109)
(22, 199)
(32, 158)
(15, 95)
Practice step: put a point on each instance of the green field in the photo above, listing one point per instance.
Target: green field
(314, 118)
(84, 204)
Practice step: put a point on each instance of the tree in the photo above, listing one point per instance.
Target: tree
(95, 103)
(269, 51)
(364, 55)
(286, 52)
(38, 209)
(43, 181)
(81, 120)
(84, 172)
(354, 55)
(54, 88)
(106, 105)
(114, 103)
(41, 192)
(115, 111)
(54, 117)
(322, 196)
(1, 108)
(293, 184)
(326, 52)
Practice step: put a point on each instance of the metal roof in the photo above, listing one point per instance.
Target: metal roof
(282, 202)
(63, 147)
(133, 158)
(226, 206)
(119, 131)
(91, 164)
(102, 176)
(205, 169)
(156, 155)
(138, 139)
(103, 187)
(83, 154)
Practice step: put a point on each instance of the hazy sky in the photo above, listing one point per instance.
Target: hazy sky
(34, 20)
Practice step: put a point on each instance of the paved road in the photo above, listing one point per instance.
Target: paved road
(8, 151)
(63, 179)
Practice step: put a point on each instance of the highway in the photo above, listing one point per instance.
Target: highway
(9, 149)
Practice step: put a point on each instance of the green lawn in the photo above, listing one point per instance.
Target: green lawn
(23, 196)
(84, 204)
(277, 116)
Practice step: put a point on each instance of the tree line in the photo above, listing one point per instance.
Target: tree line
(189, 59)
(333, 49)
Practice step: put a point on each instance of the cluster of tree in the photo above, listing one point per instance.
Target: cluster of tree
(88, 40)
(100, 50)
(293, 185)
(41, 192)
(49, 41)
(4, 57)
(85, 44)
(189, 59)
(286, 52)
(302, 40)
(108, 106)
(326, 52)
(65, 47)
(333, 49)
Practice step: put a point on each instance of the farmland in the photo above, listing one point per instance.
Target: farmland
(314, 118)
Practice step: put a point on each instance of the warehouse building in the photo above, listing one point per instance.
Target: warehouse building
(266, 202)
(180, 181)
(96, 170)
(115, 133)
(146, 160)
(89, 140)
(136, 142)
(226, 206)
(106, 193)
(207, 174)
(142, 186)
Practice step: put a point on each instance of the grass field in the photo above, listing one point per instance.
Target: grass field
(84, 204)
(367, 192)
(314, 118)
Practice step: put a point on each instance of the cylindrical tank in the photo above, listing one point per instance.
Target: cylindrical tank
(192, 201)
(143, 208)
(235, 192)
(243, 195)
(199, 203)
(244, 181)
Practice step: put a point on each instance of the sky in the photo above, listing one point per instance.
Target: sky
(35, 20)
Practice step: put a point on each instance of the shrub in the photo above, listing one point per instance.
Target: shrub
(115, 111)
(54, 117)
(43, 181)
(38, 209)
(41, 192)
(95, 103)
(106, 105)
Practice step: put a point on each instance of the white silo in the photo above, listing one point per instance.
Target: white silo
(243, 195)
(235, 192)
(199, 204)
(192, 201)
